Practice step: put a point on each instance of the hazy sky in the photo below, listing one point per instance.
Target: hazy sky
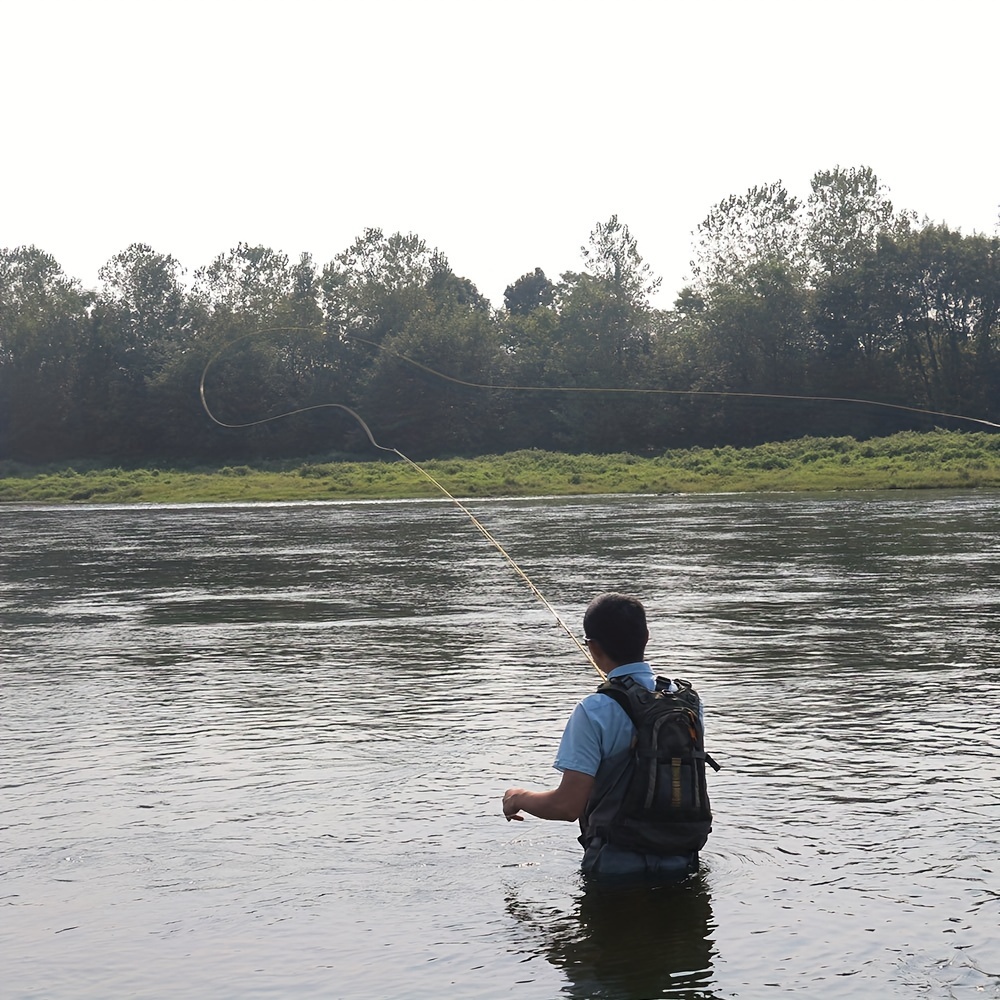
(500, 132)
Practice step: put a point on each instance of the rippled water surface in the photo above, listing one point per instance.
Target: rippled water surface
(258, 751)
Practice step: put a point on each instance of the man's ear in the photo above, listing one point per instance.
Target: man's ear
(598, 655)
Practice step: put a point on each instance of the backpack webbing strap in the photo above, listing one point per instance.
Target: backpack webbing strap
(618, 694)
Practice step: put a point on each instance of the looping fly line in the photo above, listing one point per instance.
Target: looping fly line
(486, 533)
(524, 388)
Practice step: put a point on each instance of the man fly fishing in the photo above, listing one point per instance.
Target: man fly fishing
(632, 758)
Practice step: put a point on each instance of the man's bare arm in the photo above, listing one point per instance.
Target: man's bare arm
(566, 802)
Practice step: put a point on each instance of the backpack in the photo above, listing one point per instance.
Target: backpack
(663, 805)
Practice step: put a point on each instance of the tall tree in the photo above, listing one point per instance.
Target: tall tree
(612, 255)
(531, 291)
(139, 320)
(743, 232)
(604, 311)
(453, 333)
(847, 211)
(43, 325)
(249, 282)
(939, 300)
(376, 284)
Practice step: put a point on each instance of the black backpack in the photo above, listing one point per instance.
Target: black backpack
(664, 806)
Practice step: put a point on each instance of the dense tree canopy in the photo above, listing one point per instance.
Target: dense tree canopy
(796, 308)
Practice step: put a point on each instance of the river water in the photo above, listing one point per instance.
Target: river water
(258, 751)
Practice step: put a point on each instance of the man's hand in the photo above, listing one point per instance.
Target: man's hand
(510, 807)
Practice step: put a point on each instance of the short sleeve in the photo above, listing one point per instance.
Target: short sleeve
(580, 749)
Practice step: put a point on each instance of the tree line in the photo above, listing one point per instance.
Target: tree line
(796, 309)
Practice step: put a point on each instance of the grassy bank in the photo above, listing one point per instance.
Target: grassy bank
(941, 459)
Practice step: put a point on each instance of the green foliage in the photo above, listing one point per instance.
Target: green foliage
(847, 211)
(800, 312)
(909, 460)
(612, 256)
(44, 332)
(530, 292)
(744, 232)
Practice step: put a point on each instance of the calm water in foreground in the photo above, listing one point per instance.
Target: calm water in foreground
(258, 751)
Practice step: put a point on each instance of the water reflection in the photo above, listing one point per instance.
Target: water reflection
(627, 942)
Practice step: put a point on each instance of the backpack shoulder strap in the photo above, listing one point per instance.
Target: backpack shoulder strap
(619, 690)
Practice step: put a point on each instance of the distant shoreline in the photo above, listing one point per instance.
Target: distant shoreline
(908, 460)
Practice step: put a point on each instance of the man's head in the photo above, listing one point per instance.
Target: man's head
(618, 624)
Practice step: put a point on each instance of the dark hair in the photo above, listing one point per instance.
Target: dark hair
(618, 623)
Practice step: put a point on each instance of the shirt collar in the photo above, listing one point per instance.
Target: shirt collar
(632, 670)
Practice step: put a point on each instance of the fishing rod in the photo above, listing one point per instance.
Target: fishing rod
(483, 530)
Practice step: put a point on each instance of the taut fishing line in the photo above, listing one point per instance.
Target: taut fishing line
(525, 388)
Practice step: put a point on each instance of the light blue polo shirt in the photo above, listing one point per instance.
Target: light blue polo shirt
(599, 727)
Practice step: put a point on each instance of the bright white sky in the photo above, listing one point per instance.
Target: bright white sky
(501, 131)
